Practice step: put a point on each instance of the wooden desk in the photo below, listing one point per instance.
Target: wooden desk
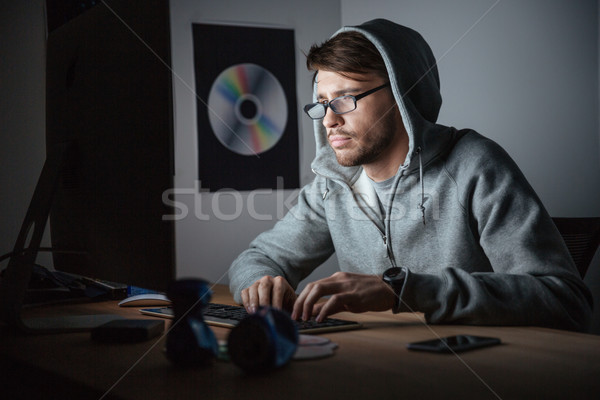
(369, 363)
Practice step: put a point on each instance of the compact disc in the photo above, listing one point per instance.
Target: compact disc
(311, 352)
(247, 109)
(312, 340)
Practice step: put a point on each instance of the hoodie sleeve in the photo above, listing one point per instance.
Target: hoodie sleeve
(534, 280)
(293, 248)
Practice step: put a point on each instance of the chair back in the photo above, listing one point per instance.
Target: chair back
(582, 237)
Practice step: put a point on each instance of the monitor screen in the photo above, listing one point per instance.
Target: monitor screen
(109, 97)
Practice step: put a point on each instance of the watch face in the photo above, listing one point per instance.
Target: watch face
(393, 273)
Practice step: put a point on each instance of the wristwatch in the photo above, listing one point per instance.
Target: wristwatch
(396, 277)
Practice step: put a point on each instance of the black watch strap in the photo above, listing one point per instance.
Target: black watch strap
(396, 278)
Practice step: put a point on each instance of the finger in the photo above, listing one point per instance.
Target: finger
(312, 296)
(264, 291)
(252, 298)
(280, 288)
(245, 298)
(317, 308)
(314, 293)
(333, 305)
(300, 303)
(289, 299)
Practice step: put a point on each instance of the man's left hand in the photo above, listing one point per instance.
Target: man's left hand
(348, 292)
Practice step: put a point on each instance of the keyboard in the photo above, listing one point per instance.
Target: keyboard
(228, 316)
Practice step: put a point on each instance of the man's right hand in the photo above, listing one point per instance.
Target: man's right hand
(269, 290)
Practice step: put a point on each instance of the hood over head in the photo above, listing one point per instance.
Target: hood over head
(415, 83)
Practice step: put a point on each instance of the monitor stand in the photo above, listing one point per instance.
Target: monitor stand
(15, 281)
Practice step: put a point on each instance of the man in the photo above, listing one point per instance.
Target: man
(422, 217)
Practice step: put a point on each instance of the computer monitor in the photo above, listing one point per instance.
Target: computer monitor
(109, 94)
(110, 150)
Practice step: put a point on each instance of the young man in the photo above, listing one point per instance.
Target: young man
(422, 217)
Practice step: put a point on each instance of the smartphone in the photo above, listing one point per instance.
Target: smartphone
(454, 344)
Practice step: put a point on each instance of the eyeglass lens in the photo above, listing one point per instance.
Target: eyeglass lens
(339, 105)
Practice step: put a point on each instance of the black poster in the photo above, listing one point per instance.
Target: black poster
(246, 106)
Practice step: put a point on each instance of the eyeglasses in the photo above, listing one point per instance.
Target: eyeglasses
(339, 105)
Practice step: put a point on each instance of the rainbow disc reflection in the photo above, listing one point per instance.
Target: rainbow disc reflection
(247, 109)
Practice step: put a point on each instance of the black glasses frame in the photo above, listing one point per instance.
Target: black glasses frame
(328, 104)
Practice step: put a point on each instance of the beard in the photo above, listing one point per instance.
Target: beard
(375, 141)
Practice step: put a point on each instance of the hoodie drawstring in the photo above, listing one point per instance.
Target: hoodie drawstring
(326, 189)
(421, 206)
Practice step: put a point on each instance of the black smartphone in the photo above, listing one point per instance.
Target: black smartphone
(454, 344)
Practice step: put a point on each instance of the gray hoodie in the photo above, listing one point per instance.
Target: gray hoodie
(479, 245)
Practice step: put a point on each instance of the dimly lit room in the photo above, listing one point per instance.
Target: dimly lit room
(267, 199)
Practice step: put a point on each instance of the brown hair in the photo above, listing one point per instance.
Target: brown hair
(346, 53)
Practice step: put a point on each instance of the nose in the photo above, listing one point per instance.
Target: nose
(332, 120)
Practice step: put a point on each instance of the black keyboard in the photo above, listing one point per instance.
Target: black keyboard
(228, 316)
